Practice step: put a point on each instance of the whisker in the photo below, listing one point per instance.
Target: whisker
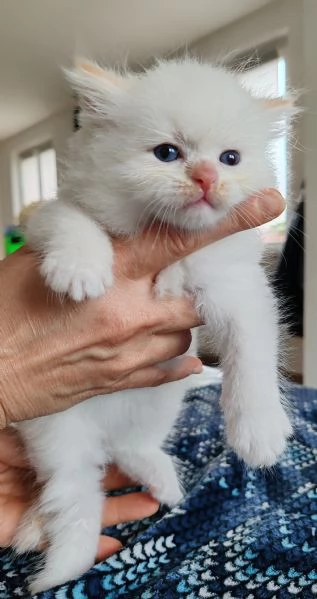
(161, 225)
(248, 221)
(153, 221)
(290, 234)
(147, 208)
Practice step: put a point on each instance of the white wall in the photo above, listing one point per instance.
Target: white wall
(296, 20)
(57, 129)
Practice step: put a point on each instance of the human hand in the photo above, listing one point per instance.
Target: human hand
(18, 488)
(55, 354)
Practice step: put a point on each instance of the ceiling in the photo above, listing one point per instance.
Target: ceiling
(38, 36)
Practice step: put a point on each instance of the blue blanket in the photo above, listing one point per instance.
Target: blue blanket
(238, 533)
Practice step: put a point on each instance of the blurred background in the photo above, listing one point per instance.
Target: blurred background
(274, 44)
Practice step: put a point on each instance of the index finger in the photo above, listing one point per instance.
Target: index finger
(156, 249)
(115, 479)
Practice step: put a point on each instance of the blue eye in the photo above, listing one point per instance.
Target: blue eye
(167, 153)
(230, 157)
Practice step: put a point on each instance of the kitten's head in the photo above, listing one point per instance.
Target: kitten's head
(182, 142)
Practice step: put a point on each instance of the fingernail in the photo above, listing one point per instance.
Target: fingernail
(274, 202)
(197, 369)
(152, 507)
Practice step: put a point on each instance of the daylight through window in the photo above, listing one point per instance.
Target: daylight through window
(37, 174)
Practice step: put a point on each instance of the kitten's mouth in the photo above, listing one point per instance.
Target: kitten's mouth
(204, 200)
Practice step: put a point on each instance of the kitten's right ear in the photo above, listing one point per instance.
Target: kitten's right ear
(99, 90)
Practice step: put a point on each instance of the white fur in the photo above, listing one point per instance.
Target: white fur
(115, 183)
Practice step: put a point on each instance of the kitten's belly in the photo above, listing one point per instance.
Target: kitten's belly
(139, 418)
(142, 416)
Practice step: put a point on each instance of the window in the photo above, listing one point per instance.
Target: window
(269, 78)
(37, 174)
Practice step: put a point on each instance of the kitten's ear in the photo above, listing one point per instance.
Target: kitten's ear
(281, 112)
(99, 90)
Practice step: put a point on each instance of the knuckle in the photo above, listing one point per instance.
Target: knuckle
(114, 327)
(121, 328)
(145, 321)
(130, 322)
(164, 316)
(117, 370)
(110, 375)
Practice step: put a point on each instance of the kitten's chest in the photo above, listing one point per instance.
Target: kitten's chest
(221, 264)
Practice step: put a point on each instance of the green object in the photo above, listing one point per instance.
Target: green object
(13, 240)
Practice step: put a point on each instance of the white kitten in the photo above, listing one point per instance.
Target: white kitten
(181, 143)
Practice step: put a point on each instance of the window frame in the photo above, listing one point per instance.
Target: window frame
(255, 56)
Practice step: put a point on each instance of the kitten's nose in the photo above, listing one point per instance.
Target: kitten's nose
(205, 175)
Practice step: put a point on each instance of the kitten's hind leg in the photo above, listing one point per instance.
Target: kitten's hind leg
(71, 505)
(257, 424)
(154, 469)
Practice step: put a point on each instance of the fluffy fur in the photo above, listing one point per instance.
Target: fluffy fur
(115, 184)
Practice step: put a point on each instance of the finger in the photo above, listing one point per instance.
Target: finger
(152, 376)
(11, 512)
(158, 348)
(177, 314)
(107, 546)
(16, 482)
(146, 351)
(115, 479)
(253, 212)
(127, 508)
(12, 452)
(167, 347)
(155, 250)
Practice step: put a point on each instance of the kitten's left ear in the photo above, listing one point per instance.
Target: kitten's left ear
(99, 90)
(281, 112)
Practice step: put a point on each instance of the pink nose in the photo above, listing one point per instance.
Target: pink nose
(205, 175)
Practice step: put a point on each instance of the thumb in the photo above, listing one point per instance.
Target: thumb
(156, 248)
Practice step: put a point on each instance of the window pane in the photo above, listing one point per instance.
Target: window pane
(30, 185)
(48, 173)
(269, 79)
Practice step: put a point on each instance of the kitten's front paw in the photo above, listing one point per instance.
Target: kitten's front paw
(79, 277)
(259, 436)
